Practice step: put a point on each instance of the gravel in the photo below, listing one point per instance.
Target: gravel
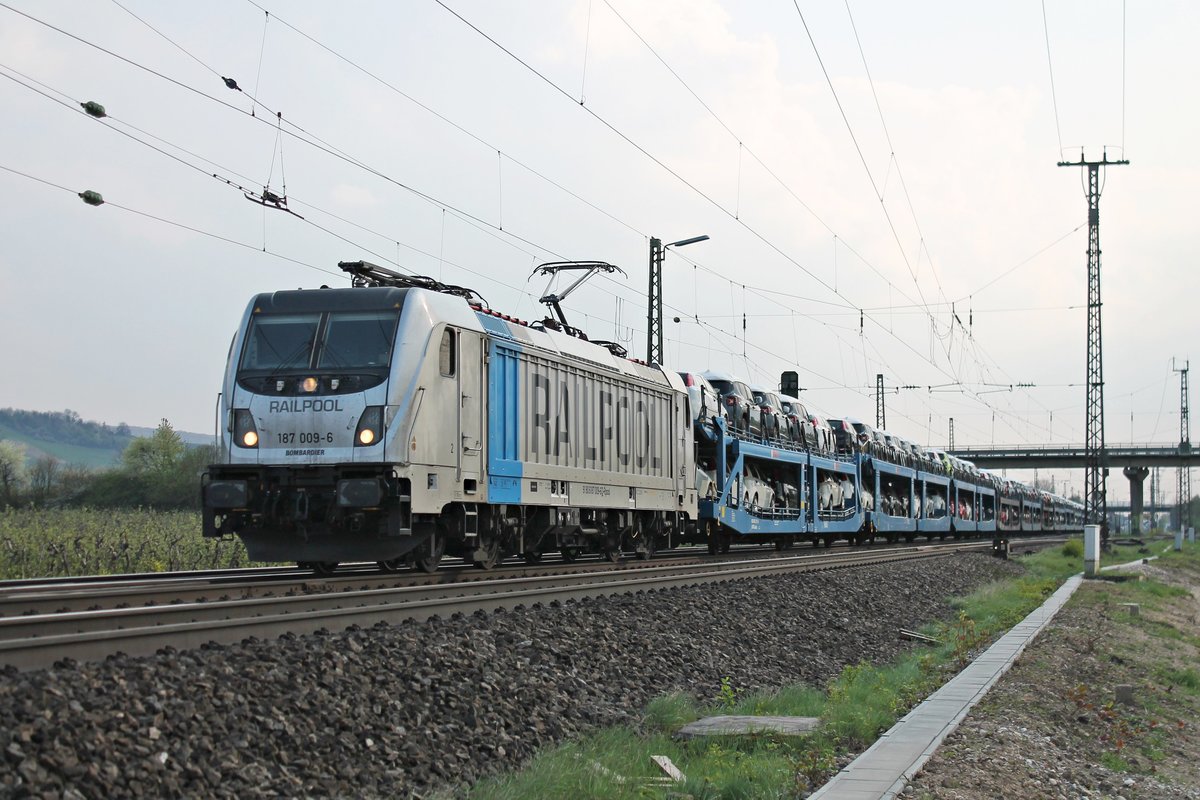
(402, 710)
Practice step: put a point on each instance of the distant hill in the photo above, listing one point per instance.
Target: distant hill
(73, 440)
(188, 437)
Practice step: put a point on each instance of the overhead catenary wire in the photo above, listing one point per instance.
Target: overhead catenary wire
(1050, 65)
(562, 92)
(519, 60)
(445, 210)
(863, 159)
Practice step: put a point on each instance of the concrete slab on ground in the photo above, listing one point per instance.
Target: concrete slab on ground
(736, 725)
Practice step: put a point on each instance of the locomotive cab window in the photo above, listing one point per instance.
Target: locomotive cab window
(448, 352)
(326, 341)
(358, 339)
(280, 341)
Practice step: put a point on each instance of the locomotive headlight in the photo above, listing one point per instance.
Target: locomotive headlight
(309, 385)
(370, 427)
(245, 434)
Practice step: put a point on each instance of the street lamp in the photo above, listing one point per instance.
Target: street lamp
(654, 331)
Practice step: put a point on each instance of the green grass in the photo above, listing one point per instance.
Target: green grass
(1114, 762)
(1187, 679)
(854, 707)
(39, 543)
(790, 701)
(669, 712)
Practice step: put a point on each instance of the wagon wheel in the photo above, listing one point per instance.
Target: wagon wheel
(612, 554)
(487, 550)
(570, 553)
(487, 554)
(323, 568)
(532, 556)
(391, 564)
(429, 553)
(726, 541)
(712, 537)
(643, 545)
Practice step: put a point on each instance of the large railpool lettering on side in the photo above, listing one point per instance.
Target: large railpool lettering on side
(571, 417)
(628, 434)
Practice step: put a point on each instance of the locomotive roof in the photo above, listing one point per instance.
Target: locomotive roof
(358, 299)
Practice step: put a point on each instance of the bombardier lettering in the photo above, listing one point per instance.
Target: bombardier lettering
(304, 406)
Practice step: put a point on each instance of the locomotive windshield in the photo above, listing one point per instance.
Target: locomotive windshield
(336, 340)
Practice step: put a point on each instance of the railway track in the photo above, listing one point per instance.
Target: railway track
(37, 640)
(91, 593)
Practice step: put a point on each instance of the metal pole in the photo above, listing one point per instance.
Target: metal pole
(880, 416)
(1095, 495)
(1184, 485)
(654, 333)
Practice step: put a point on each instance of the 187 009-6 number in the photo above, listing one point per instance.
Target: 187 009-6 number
(305, 438)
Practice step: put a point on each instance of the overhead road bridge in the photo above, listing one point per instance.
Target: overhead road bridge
(1066, 456)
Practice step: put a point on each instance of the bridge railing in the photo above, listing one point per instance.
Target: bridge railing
(1071, 449)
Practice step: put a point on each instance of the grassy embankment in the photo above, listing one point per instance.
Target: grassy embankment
(854, 708)
(1155, 652)
(42, 543)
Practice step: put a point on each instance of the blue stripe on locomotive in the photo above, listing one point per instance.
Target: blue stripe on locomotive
(503, 414)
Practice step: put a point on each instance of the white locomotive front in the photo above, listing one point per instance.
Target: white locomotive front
(401, 419)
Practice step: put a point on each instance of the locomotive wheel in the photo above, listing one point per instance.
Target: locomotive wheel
(532, 557)
(429, 554)
(391, 565)
(645, 548)
(323, 568)
(612, 554)
(570, 553)
(490, 546)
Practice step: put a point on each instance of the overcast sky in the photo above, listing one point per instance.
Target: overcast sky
(856, 199)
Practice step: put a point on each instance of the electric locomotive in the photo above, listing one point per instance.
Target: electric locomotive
(401, 419)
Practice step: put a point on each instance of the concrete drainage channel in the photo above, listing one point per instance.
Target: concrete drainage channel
(37, 641)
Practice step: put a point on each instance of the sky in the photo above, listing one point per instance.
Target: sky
(878, 182)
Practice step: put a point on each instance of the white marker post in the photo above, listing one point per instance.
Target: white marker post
(1192, 535)
(1091, 550)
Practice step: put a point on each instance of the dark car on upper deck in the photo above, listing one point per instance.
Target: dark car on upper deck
(745, 415)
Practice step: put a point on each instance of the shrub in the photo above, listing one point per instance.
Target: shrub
(1073, 549)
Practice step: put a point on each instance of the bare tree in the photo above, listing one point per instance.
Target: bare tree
(12, 471)
(43, 479)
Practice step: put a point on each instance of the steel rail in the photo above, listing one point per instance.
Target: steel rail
(38, 641)
(64, 595)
